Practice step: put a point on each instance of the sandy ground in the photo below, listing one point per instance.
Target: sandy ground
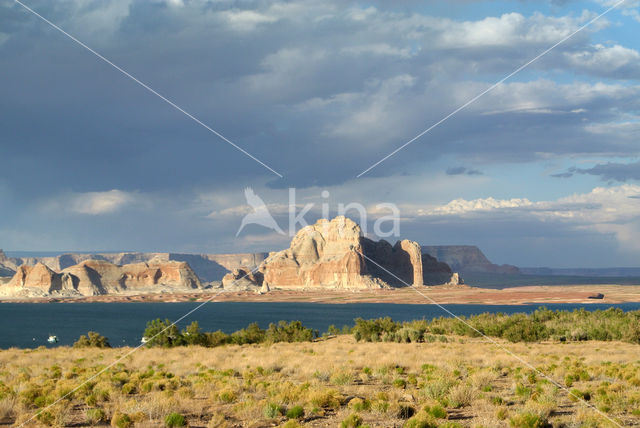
(410, 295)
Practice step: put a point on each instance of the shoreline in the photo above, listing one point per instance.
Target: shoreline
(522, 295)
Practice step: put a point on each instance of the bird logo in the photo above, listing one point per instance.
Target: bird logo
(260, 214)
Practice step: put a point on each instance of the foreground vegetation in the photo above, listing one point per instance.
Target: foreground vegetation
(418, 374)
(336, 382)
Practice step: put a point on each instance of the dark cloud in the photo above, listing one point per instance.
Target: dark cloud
(317, 90)
(610, 171)
(462, 170)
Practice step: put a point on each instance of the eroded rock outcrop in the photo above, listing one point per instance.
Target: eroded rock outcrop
(334, 254)
(208, 267)
(95, 277)
(242, 279)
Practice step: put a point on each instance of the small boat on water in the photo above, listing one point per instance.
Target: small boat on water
(52, 339)
(144, 340)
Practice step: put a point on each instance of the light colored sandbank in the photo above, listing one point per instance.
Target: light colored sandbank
(420, 295)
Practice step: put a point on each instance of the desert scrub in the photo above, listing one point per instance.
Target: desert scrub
(528, 420)
(359, 404)
(121, 420)
(328, 398)
(421, 420)
(296, 412)
(461, 395)
(352, 421)
(227, 396)
(272, 410)
(342, 378)
(175, 420)
(95, 416)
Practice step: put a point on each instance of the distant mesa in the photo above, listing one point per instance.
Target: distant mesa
(333, 254)
(466, 259)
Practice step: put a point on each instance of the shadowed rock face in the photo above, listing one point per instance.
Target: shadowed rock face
(467, 258)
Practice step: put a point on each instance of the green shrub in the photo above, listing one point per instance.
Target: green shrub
(227, 396)
(528, 420)
(575, 395)
(352, 421)
(272, 410)
(128, 388)
(193, 335)
(163, 333)
(92, 340)
(399, 383)
(296, 412)
(421, 420)
(436, 411)
(175, 420)
(121, 420)
(289, 332)
(359, 405)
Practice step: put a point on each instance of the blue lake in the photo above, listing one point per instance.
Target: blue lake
(28, 325)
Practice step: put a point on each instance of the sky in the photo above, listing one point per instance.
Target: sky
(541, 170)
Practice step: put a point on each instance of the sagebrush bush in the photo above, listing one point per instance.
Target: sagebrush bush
(175, 420)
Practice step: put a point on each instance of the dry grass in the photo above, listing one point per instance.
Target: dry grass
(475, 383)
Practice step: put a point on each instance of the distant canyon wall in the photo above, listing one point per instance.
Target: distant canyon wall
(208, 267)
(466, 258)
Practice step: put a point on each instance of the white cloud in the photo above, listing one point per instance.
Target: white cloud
(510, 29)
(462, 206)
(96, 203)
(606, 60)
(607, 210)
(246, 20)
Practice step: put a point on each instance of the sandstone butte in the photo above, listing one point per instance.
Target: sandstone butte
(334, 254)
(96, 277)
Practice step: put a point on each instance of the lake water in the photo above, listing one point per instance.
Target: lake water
(28, 325)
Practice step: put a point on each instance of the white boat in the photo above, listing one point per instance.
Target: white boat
(52, 339)
(144, 340)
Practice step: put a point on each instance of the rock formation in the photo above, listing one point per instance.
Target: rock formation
(95, 277)
(208, 267)
(242, 279)
(7, 267)
(328, 254)
(334, 254)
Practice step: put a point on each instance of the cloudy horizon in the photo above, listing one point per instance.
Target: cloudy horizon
(543, 170)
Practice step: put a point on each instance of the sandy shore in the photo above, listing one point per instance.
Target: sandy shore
(410, 295)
